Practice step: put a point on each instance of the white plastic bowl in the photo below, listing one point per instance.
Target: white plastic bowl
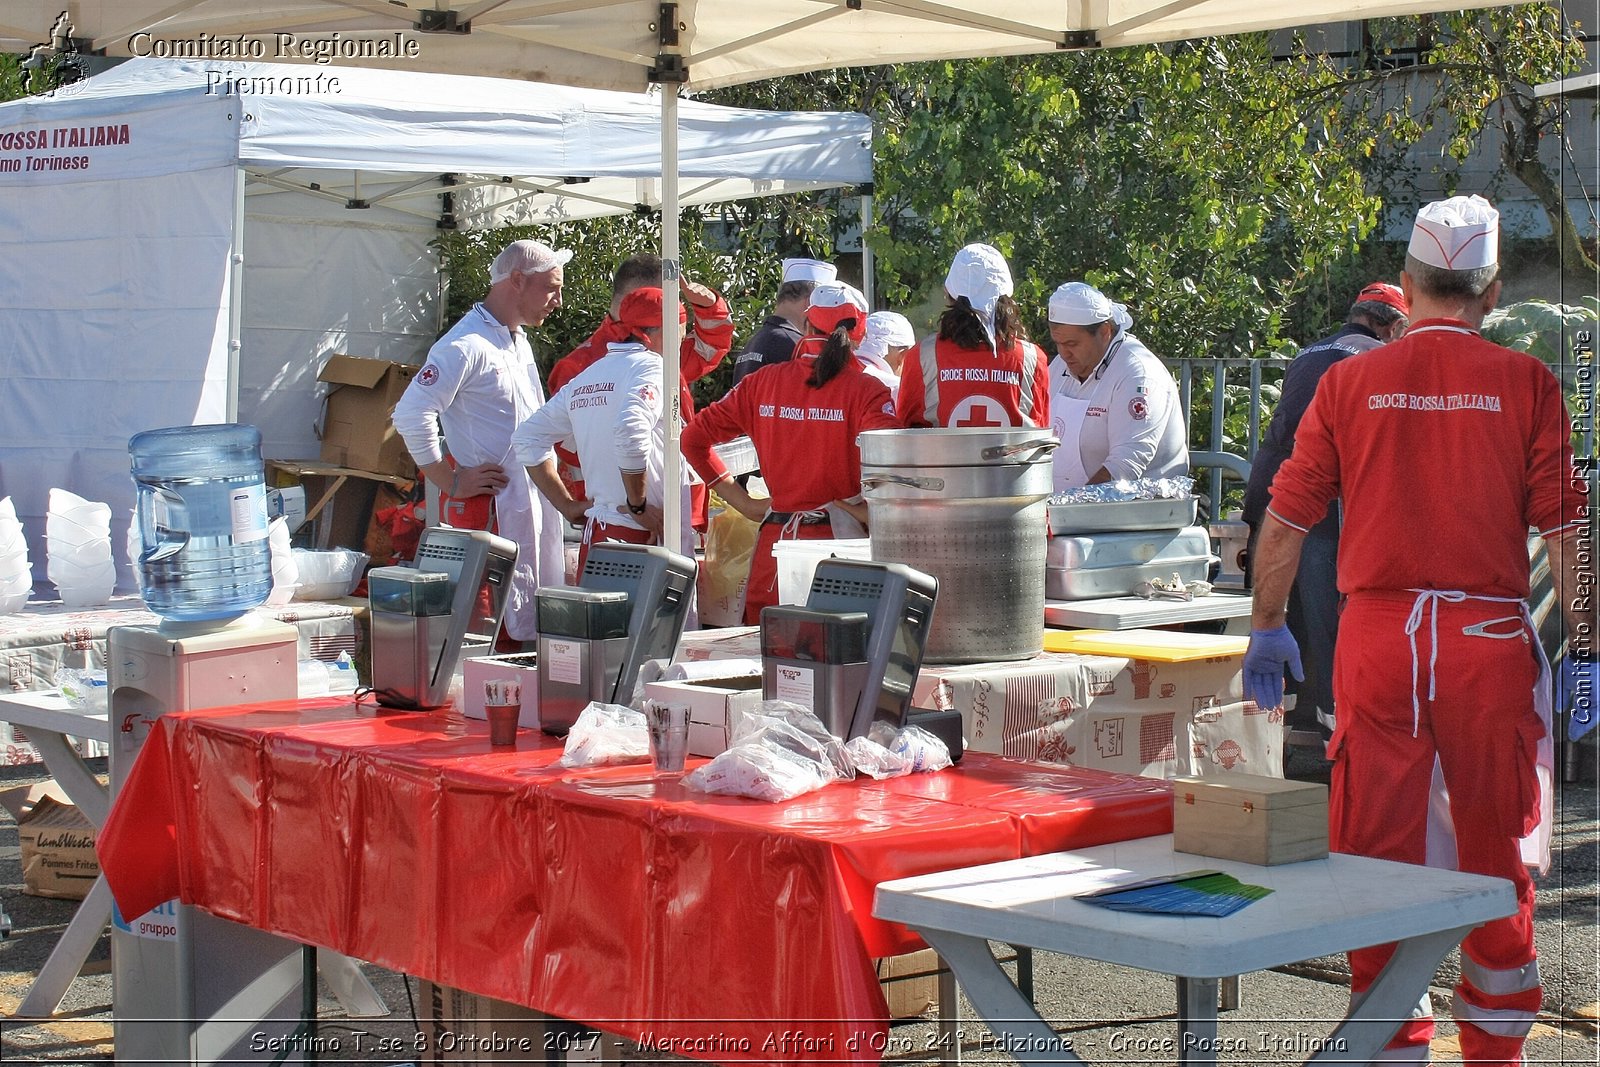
(328, 575)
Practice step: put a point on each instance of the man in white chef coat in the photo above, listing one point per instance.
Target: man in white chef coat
(1113, 404)
(480, 382)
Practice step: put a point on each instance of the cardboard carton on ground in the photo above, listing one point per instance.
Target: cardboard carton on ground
(715, 705)
(910, 983)
(457, 1027)
(57, 842)
(357, 425)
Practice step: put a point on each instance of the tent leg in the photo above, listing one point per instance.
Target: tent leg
(673, 519)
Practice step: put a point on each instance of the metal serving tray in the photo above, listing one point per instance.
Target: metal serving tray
(1113, 564)
(1112, 516)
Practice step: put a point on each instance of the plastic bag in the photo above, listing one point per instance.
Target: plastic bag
(606, 734)
(730, 546)
(875, 761)
(921, 749)
(797, 728)
(84, 688)
(761, 769)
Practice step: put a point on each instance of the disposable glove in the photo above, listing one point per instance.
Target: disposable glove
(1269, 652)
(1575, 691)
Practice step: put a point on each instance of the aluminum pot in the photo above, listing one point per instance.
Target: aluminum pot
(968, 507)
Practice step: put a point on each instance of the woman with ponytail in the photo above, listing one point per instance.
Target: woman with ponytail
(981, 369)
(803, 417)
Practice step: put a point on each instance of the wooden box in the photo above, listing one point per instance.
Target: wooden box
(1250, 818)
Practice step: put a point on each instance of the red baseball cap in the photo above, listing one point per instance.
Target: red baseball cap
(835, 303)
(1384, 293)
(641, 309)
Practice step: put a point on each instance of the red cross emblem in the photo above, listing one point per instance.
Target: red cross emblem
(979, 411)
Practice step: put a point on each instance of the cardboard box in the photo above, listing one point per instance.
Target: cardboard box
(522, 666)
(1250, 818)
(910, 983)
(57, 842)
(358, 422)
(459, 1027)
(715, 705)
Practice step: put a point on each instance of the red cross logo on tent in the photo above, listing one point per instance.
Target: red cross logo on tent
(979, 411)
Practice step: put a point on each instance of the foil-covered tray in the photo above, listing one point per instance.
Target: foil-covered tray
(1117, 515)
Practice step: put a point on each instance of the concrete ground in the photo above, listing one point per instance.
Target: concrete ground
(1110, 1015)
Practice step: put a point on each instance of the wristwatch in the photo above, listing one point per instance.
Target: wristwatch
(636, 509)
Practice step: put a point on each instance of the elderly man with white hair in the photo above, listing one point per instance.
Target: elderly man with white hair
(1113, 404)
(479, 383)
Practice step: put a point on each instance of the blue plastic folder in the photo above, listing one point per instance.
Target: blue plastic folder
(1190, 893)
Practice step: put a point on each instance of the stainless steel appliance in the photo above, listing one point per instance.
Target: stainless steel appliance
(817, 659)
(898, 602)
(421, 621)
(629, 606)
(967, 506)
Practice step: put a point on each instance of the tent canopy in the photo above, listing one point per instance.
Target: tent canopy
(564, 153)
(173, 252)
(616, 44)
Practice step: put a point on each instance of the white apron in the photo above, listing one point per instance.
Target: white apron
(1066, 422)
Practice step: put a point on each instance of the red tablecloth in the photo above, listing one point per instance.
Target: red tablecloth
(602, 896)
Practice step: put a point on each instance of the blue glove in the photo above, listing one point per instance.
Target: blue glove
(1269, 652)
(1575, 690)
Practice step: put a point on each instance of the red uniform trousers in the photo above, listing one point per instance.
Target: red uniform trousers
(761, 589)
(596, 532)
(1481, 725)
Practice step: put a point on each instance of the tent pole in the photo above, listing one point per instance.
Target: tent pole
(867, 265)
(235, 293)
(671, 371)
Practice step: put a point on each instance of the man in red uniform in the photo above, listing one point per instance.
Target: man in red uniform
(981, 369)
(1445, 449)
(803, 416)
(702, 349)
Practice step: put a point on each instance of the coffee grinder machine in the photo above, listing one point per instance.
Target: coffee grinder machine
(856, 646)
(629, 606)
(422, 616)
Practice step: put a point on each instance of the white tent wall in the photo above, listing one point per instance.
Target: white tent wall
(113, 294)
(377, 294)
(118, 214)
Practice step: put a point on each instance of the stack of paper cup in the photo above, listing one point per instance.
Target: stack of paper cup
(16, 574)
(78, 539)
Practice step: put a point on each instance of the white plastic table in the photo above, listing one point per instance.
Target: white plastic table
(1318, 908)
(49, 721)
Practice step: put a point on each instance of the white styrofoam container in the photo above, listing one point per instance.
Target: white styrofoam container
(797, 562)
(715, 705)
(519, 665)
(1113, 564)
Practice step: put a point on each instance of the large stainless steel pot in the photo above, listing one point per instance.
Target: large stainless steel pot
(966, 506)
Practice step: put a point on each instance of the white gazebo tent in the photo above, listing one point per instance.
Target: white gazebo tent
(184, 242)
(629, 44)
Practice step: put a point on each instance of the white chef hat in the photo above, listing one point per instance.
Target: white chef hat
(526, 257)
(1461, 233)
(1081, 304)
(886, 330)
(979, 273)
(809, 270)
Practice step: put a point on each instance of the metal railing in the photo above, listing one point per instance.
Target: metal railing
(1223, 386)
